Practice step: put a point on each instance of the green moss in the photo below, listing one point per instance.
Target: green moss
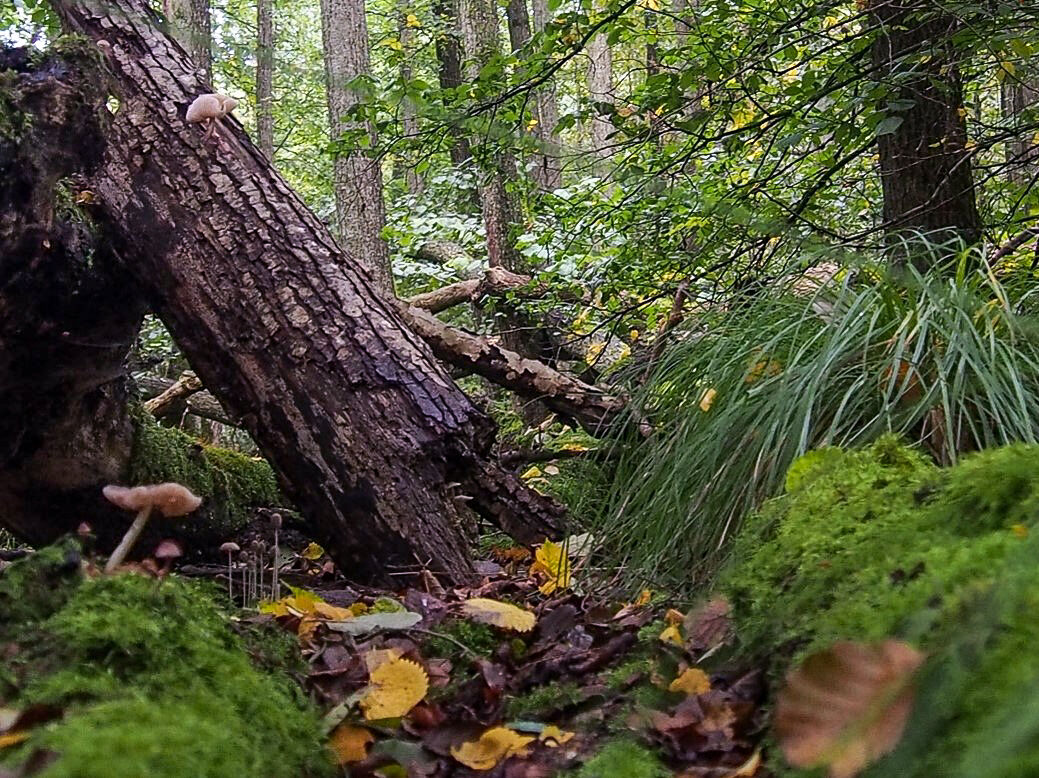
(230, 482)
(154, 683)
(880, 543)
(37, 585)
(478, 638)
(623, 759)
(542, 700)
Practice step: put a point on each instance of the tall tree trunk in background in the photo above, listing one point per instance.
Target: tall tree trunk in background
(192, 27)
(1019, 93)
(408, 117)
(519, 23)
(265, 77)
(368, 433)
(600, 90)
(479, 22)
(449, 59)
(925, 166)
(360, 211)
(549, 171)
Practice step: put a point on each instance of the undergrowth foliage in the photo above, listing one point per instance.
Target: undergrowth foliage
(949, 358)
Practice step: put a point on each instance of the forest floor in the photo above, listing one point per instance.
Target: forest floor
(527, 674)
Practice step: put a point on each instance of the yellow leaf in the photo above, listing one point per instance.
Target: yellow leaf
(350, 743)
(377, 657)
(412, 21)
(633, 335)
(494, 745)
(674, 616)
(532, 124)
(313, 551)
(499, 614)
(13, 738)
(397, 686)
(764, 368)
(1020, 531)
(394, 44)
(692, 682)
(553, 737)
(672, 635)
(847, 706)
(551, 560)
(707, 400)
(643, 599)
(532, 472)
(300, 602)
(331, 612)
(306, 629)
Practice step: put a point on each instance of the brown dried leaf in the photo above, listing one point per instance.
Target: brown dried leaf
(847, 706)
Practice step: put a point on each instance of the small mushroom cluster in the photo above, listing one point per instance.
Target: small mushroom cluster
(169, 499)
(209, 109)
(253, 566)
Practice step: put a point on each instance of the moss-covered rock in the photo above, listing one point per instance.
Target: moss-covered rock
(231, 483)
(152, 681)
(881, 543)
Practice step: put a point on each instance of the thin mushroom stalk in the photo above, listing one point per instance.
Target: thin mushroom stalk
(134, 532)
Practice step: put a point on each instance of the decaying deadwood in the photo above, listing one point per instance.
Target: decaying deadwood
(186, 385)
(443, 252)
(495, 281)
(369, 435)
(201, 403)
(589, 406)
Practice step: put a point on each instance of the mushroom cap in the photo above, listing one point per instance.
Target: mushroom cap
(168, 549)
(209, 106)
(230, 548)
(169, 499)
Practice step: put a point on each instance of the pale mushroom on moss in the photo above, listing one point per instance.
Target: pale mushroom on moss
(167, 551)
(169, 499)
(209, 109)
(230, 548)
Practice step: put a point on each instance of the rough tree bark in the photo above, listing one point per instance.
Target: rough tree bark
(369, 435)
(550, 169)
(925, 166)
(265, 77)
(1019, 93)
(360, 210)
(408, 116)
(191, 25)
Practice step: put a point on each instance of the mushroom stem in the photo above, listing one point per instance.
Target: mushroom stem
(230, 579)
(275, 585)
(134, 532)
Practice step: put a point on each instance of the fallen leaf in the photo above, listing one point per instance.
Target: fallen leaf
(312, 552)
(332, 612)
(499, 614)
(749, 768)
(551, 560)
(350, 743)
(691, 681)
(491, 748)
(397, 686)
(847, 706)
(672, 635)
(362, 625)
(553, 737)
(708, 625)
(707, 400)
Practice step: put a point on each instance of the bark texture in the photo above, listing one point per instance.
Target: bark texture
(369, 435)
(600, 90)
(1018, 95)
(360, 210)
(191, 25)
(65, 431)
(449, 58)
(925, 166)
(265, 77)
(549, 173)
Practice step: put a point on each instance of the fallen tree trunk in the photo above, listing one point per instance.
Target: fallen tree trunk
(370, 437)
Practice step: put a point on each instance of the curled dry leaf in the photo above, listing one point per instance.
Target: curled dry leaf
(553, 737)
(499, 614)
(847, 706)
(494, 745)
(397, 686)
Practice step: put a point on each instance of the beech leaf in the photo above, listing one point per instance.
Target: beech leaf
(491, 748)
(845, 707)
(397, 686)
(499, 614)
(350, 743)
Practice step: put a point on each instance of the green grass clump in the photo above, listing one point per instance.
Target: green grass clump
(478, 638)
(541, 700)
(153, 682)
(881, 543)
(950, 358)
(623, 759)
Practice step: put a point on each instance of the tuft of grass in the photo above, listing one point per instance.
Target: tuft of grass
(949, 358)
(623, 759)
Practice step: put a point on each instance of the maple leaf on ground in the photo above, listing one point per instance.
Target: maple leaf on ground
(847, 706)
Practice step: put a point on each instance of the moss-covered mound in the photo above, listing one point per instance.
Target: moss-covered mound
(149, 678)
(879, 543)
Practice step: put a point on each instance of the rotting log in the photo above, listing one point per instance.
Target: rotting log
(370, 437)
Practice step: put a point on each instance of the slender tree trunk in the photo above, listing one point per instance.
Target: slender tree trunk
(369, 435)
(265, 77)
(408, 117)
(600, 90)
(449, 59)
(518, 19)
(360, 210)
(550, 168)
(1022, 153)
(479, 21)
(925, 165)
(192, 27)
